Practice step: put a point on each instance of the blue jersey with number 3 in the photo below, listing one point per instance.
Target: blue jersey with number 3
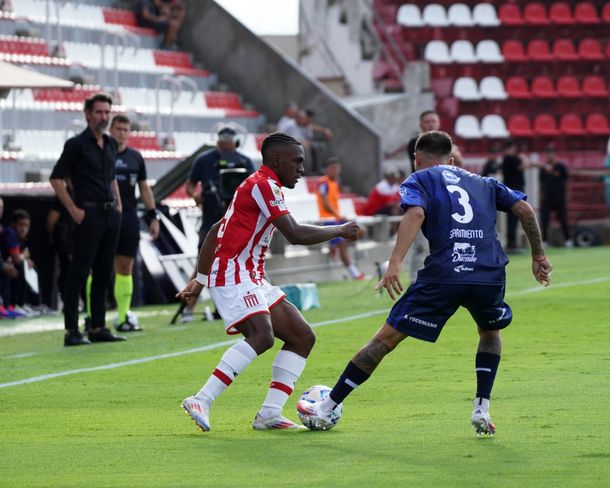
(460, 224)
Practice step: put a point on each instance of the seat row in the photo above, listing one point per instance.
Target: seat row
(546, 125)
(488, 51)
(485, 15)
(493, 88)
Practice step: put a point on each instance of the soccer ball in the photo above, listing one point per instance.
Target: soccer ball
(314, 394)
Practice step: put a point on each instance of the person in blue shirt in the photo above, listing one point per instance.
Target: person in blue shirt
(456, 211)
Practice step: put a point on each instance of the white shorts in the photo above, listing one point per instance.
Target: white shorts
(237, 303)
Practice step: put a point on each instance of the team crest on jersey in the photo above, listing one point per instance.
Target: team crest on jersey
(464, 252)
(450, 177)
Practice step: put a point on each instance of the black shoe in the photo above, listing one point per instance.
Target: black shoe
(104, 335)
(128, 326)
(75, 338)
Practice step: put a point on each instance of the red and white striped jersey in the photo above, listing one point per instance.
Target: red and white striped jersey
(246, 229)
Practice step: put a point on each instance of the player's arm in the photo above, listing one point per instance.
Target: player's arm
(305, 234)
(151, 209)
(59, 186)
(541, 266)
(191, 191)
(409, 227)
(117, 195)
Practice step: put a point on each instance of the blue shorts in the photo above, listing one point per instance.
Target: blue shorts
(425, 307)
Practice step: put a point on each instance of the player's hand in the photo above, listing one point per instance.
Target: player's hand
(78, 215)
(541, 269)
(350, 230)
(154, 229)
(190, 292)
(391, 281)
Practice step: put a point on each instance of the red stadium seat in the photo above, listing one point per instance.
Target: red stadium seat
(535, 14)
(594, 86)
(560, 13)
(597, 124)
(590, 49)
(585, 13)
(542, 87)
(606, 12)
(545, 125)
(519, 125)
(538, 50)
(564, 50)
(513, 50)
(567, 86)
(510, 14)
(516, 87)
(571, 125)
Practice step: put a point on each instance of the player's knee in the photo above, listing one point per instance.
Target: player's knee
(309, 340)
(262, 342)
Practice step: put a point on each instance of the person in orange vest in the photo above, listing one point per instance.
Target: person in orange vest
(328, 192)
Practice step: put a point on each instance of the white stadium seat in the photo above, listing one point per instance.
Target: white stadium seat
(489, 52)
(494, 126)
(466, 89)
(437, 52)
(459, 15)
(463, 52)
(492, 88)
(435, 15)
(409, 16)
(467, 126)
(484, 15)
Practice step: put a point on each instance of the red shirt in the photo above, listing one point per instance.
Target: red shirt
(246, 229)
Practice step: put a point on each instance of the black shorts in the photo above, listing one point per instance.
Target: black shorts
(129, 236)
(425, 308)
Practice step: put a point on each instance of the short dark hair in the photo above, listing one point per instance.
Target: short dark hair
(98, 97)
(435, 143)
(331, 160)
(120, 119)
(20, 214)
(427, 112)
(275, 140)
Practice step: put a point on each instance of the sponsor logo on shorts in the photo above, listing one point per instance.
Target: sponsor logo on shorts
(460, 267)
(421, 322)
(450, 177)
(466, 233)
(502, 314)
(250, 300)
(464, 252)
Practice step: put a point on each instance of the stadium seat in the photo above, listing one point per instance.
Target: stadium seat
(492, 88)
(560, 13)
(567, 86)
(535, 14)
(606, 13)
(538, 50)
(467, 126)
(597, 124)
(484, 15)
(516, 87)
(564, 50)
(462, 51)
(594, 86)
(510, 14)
(437, 52)
(494, 126)
(459, 15)
(435, 15)
(590, 49)
(513, 50)
(585, 13)
(542, 87)
(466, 89)
(545, 125)
(489, 52)
(520, 126)
(571, 125)
(409, 16)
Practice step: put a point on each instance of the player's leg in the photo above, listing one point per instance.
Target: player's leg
(123, 292)
(354, 272)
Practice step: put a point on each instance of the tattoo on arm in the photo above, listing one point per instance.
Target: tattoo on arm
(532, 231)
(369, 357)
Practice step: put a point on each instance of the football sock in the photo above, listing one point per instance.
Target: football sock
(286, 369)
(486, 366)
(353, 271)
(233, 362)
(351, 378)
(123, 290)
(88, 295)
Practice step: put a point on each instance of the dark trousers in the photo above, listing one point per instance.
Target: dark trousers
(13, 289)
(560, 211)
(95, 241)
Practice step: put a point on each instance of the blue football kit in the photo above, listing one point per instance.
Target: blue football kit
(466, 265)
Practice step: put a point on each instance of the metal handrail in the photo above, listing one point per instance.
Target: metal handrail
(117, 36)
(175, 83)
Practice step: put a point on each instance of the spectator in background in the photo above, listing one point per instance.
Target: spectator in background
(288, 120)
(553, 178)
(328, 192)
(493, 166)
(513, 167)
(313, 137)
(165, 16)
(384, 198)
(7, 272)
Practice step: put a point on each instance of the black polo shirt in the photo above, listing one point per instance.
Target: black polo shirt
(89, 167)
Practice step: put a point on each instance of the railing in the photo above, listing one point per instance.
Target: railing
(117, 36)
(175, 83)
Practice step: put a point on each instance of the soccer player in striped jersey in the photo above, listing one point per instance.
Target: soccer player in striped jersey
(232, 264)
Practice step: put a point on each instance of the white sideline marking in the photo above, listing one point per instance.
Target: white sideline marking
(131, 362)
(22, 355)
(540, 288)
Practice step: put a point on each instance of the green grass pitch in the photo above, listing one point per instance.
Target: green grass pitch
(407, 426)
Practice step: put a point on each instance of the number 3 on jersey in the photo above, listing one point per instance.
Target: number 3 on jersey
(463, 200)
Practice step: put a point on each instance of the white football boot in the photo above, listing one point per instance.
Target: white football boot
(315, 418)
(481, 421)
(276, 422)
(199, 411)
